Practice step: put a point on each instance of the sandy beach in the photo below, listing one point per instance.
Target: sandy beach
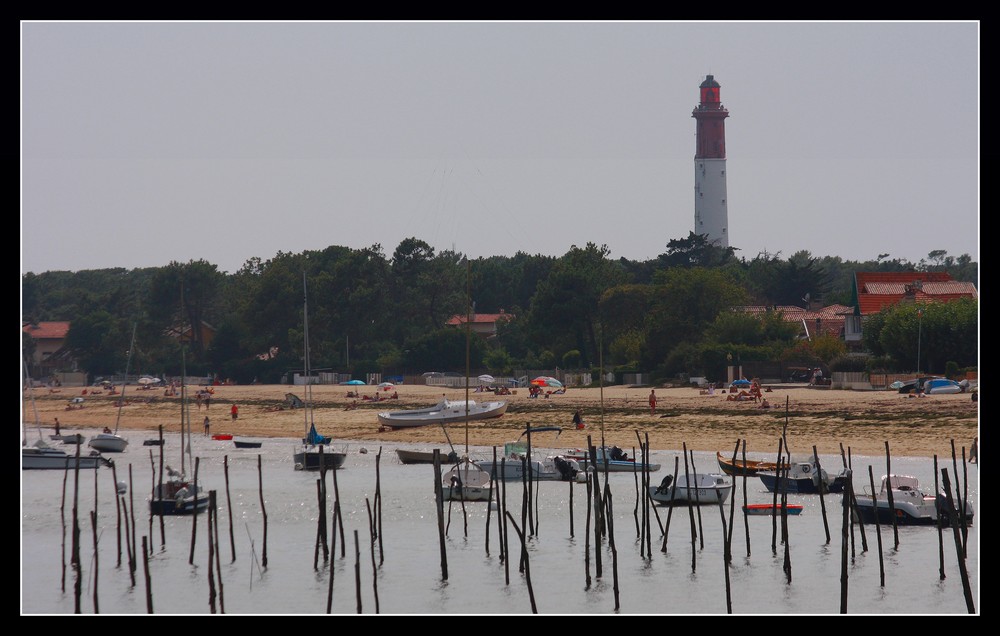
(861, 422)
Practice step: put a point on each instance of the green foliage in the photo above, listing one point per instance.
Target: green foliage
(934, 332)
(498, 362)
(571, 359)
(848, 363)
(375, 313)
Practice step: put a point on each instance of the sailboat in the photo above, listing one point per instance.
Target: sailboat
(41, 456)
(108, 442)
(466, 481)
(179, 495)
(314, 453)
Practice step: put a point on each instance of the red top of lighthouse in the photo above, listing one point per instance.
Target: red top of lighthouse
(710, 93)
(711, 116)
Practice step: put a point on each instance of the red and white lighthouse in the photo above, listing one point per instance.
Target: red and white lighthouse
(711, 217)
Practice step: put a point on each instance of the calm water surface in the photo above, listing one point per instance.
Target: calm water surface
(407, 578)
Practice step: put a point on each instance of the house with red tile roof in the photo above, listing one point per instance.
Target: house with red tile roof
(814, 321)
(874, 291)
(49, 340)
(484, 325)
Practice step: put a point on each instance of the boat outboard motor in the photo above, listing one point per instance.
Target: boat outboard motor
(565, 468)
(664, 486)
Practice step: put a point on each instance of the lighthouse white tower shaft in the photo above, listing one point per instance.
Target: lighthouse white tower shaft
(711, 214)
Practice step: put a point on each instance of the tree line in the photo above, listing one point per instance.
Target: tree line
(373, 312)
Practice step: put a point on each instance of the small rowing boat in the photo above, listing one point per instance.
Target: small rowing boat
(771, 509)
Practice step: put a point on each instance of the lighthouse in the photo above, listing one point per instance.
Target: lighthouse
(711, 216)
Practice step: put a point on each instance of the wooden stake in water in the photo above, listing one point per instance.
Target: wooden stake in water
(959, 546)
(670, 508)
(822, 487)
(146, 576)
(229, 510)
(357, 570)
(940, 528)
(211, 554)
(93, 531)
(888, 490)
(845, 537)
(694, 533)
(878, 529)
(526, 565)
(371, 532)
(263, 510)
(439, 504)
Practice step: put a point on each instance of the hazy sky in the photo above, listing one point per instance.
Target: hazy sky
(149, 142)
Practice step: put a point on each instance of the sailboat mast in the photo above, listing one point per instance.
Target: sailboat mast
(468, 332)
(128, 363)
(307, 393)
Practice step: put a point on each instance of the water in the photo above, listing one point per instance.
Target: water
(410, 581)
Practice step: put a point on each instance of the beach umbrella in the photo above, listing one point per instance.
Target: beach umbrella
(385, 386)
(740, 383)
(544, 380)
(354, 382)
(486, 379)
(148, 380)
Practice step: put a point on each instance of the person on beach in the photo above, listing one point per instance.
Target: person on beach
(57, 427)
(652, 402)
(235, 411)
(578, 420)
(206, 426)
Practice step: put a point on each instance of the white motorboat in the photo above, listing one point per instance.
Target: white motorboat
(444, 412)
(694, 489)
(911, 505)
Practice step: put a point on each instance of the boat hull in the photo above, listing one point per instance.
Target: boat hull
(749, 468)
(768, 510)
(547, 469)
(52, 459)
(711, 489)
(239, 443)
(922, 512)
(424, 457)
(174, 498)
(313, 459)
(802, 485)
(442, 413)
(108, 443)
(611, 464)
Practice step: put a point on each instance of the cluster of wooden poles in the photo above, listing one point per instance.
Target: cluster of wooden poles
(600, 517)
(599, 526)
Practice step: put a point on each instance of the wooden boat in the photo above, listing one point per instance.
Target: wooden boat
(444, 412)
(243, 443)
(696, 489)
(424, 457)
(911, 505)
(770, 509)
(152, 442)
(750, 468)
(73, 438)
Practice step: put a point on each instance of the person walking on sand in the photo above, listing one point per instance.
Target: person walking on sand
(578, 420)
(235, 411)
(206, 426)
(652, 402)
(57, 426)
